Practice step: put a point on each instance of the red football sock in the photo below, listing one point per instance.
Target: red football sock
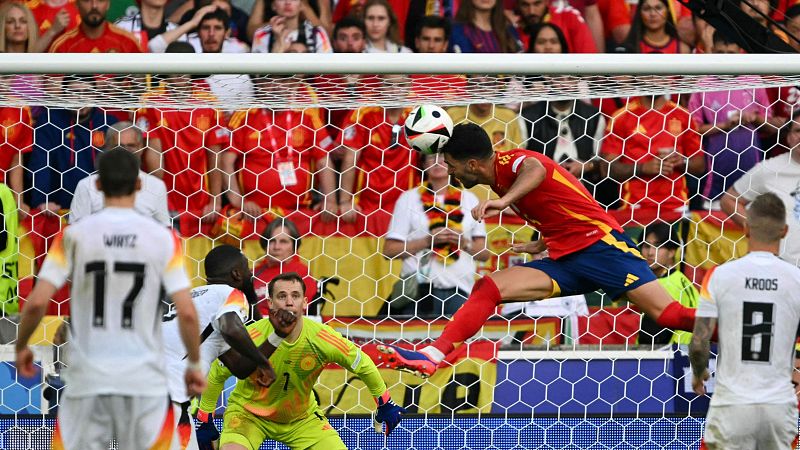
(677, 317)
(480, 305)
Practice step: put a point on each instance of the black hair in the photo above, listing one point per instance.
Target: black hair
(469, 141)
(218, 14)
(118, 171)
(792, 12)
(220, 261)
(288, 276)
(180, 47)
(636, 35)
(721, 38)
(434, 22)
(666, 235)
(536, 29)
(350, 22)
(287, 225)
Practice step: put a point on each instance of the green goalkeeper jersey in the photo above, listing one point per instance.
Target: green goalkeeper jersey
(297, 366)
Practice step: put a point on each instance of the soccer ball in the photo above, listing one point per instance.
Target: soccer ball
(428, 128)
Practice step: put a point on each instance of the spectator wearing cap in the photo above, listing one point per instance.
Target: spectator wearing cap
(280, 243)
(95, 34)
(151, 199)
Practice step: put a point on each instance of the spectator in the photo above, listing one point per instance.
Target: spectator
(66, 143)
(568, 19)
(569, 132)
(95, 34)
(151, 199)
(481, 27)
(433, 36)
(654, 30)
(350, 36)
(60, 15)
(280, 242)
(237, 19)
(383, 35)
(179, 33)
(378, 163)
(148, 23)
(356, 8)
(189, 142)
(660, 246)
(616, 16)
(433, 232)
(318, 12)
(289, 26)
(276, 155)
(212, 37)
(779, 175)
(18, 33)
(729, 122)
(16, 139)
(651, 144)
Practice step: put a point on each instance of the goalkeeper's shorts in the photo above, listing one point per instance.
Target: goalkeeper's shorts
(135, 422)
(246, 429)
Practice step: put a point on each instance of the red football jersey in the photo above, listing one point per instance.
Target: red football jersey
(266, 271)
(639, 134)
(561, 208)
(16, 136)
(186, 136)
(113, 40)
(386, 164)
(278, 153)
(45, 15)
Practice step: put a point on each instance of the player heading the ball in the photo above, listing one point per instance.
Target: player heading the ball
(587, 249)
(118, 260)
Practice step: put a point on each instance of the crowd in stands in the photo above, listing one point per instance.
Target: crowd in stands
(276, 176)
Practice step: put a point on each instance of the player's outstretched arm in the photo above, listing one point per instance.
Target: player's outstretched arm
(189, 327)
(35, 308)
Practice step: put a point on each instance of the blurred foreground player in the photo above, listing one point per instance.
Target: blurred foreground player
(118, 261)
(223, 307)
(587, 249)
(287, 411)
(756, 300)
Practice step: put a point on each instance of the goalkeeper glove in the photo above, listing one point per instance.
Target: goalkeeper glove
(206, 431)
(389, 413)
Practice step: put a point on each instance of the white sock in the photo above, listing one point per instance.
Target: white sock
(433, 353)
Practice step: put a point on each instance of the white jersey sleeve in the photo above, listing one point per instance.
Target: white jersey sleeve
(174, 276)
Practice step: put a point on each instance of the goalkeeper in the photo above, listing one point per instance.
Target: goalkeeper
(287, 412)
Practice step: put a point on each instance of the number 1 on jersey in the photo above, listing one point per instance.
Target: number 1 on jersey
(98, 270)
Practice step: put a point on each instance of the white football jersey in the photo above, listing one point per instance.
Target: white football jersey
(757, 301)
(151, 200)
(211, 302)
(118, 261)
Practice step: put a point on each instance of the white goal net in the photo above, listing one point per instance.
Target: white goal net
(301, 161)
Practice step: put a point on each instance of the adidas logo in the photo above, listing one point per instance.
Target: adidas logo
(630, 279)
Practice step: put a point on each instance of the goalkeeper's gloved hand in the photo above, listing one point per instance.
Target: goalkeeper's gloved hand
(206, 431)
(389, 413)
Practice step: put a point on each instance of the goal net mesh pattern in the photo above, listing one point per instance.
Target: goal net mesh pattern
(583, 371)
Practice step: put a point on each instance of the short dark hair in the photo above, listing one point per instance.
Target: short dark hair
(350, 22)
(218, 14)
(288, 276)
(287, 225)
(180, 47)
(666, 235)
(220, 261)
(434, 22)
(766, 218)
(469, 141)
(721, 38)
(118, 171)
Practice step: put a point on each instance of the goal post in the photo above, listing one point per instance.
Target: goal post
(583, 370)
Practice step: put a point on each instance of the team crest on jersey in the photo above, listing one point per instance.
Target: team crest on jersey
(504, 159)
(308, 362)
(675, 126)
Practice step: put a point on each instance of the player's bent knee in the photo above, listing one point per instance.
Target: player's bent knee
(524, 284)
